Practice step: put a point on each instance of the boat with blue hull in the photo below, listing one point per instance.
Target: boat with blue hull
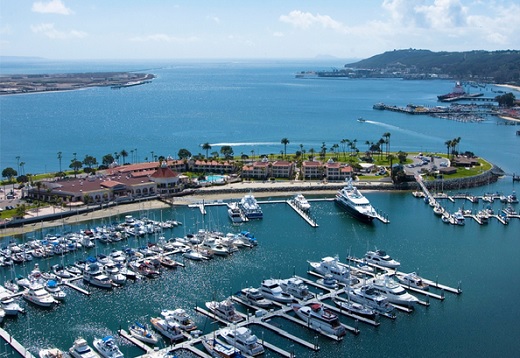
(355, 203)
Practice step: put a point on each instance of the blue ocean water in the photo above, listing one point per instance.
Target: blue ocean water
(251, 106)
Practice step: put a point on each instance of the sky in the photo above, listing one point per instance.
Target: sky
(252, 29)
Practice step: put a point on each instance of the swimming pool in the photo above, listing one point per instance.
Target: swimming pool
(218, 179)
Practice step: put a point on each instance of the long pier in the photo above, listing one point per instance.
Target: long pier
(15, 344)
(305, 215)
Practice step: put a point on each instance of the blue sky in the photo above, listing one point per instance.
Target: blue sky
(288, 29)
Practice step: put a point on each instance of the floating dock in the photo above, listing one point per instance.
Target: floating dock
(15, 344)
(135, 341)
(305, 215)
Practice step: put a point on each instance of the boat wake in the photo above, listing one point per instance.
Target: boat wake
(245, 144)
(407, 131)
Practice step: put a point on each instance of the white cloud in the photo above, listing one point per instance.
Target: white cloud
(51, 32)
(215, 19)
(304, 20)
(164, 38)
(52, 7)
(278, 34)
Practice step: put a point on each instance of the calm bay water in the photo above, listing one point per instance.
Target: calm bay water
(251, 106)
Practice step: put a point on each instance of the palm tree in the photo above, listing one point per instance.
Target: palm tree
(285, 141)
(448, 146)
(386, 135)
(59, 159)
(124, 154)
(18, 163)
(206, 146)
(311, 153)
(22, 170)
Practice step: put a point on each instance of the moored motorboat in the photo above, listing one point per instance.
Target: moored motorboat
(142, 333)
(295, 287)
(393, 291)
(181, 317)
(243, 339)
(301, 202)
(412, 280)
(250, 207)
(320, 319)
(81, 349)
(354, 307)
(52, 287)
(254, 297)
(37, 294)
(272, 290)
(50, 353)
(224, 310)
(218, 349)
(370, 297)
(355, 203)
(107, 347)
(168, 329)
(328, 281)
(330, 265)
(381, 258)
(235, 213)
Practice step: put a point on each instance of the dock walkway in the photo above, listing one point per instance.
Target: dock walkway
(305, 215)
(15, 344)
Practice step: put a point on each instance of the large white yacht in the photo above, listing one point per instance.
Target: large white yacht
(250, 207)
(393, 291)
(381, 258)
(107, 347)
(272, 290)
(320, 319)
(243, 339)
(81, 349)
(224, 310)
(330, 266)
(369, 296)
(355, 203)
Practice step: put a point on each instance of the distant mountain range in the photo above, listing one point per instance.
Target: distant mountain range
(495, 66)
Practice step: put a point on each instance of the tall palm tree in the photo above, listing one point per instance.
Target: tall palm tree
(22, 169)
(285, 141)
(386, 135)
(448, 146)
(124, 154)
(206, 146)
(18, 163)
(59, 159)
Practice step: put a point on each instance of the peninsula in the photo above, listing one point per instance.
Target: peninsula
(25, 83)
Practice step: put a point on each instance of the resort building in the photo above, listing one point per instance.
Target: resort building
(337, 171)
(211, 166)
(257, 170)
(168, 182)
(282, 169)
(312, 170)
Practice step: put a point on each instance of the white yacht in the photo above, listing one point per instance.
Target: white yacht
(52, 287)
(235, 214)
(381, 258)
(369, 296)
(272, 290)
(320, 319)
(250, 207)
(10, 306)
(141, 332)
(393, 291)
(412, 280)
(50, 353)
(301, 202)
(330, 265)
(354, 307)
(218, 349)
(168, 329)
(112, 271)
(355, 203)
(181, 317)
(224, 310)
(93, 274)
(37, 294)
(328, 281)
(81, 349)
(295, 287)
(243, 339)
(107, 347)
(254, 297)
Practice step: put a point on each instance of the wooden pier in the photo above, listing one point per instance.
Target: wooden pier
(15, 344)
(303, 214)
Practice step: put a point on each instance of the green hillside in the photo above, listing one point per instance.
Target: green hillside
(495, 66)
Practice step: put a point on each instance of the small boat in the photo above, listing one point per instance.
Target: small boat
(11, 307)
(194, 255)
(112, 271)
(272, 290)
(218, 349)
(50, 353)
(52, 287)
(354, 307)
(360, 119)
(243, 339)
(108, 347)
(94, 275)
(81, 349)
(167, 261)
(320, 319)
(254, 297)
(412, 280)
(458, 216)
(168, 329)
(60, 271)
(301, 202)
(39, 296)
(328, 281)
(141, 332)
(224, 310)
(181, 318)
(381, 258)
